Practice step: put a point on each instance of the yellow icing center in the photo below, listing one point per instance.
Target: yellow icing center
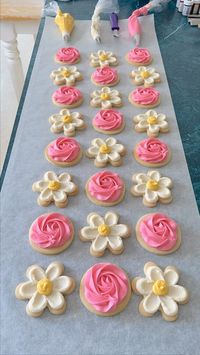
(152, 120)
(145, 74)
(67, 119)
(54, 185)
(160, 288)
(45, 287)
(66, 73)
(105, 96)
(152, 185)
(105, 149)
(103, 57)
(104, 230)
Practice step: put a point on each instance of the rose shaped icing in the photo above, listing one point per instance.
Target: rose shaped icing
(51, 230)
(139, 55)
(105, 286)
(159, 231)
(105, 75)
(68, 55)
(63, 149)
(67, 95)
(106, 186)
(145, 96)
(152, 150)
(108, 120)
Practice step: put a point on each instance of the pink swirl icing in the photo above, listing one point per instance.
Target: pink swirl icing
(159, 231)
(106, 186)
(67, 95)
(139, 55)
(108, 120)
(105, 75)
(51, 230)
(68, 55)
(145, 96)
(63, 149)
(105, 287)
(152, 150)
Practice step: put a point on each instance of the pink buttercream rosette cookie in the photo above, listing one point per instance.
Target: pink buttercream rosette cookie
(139, 56)
(63, 151)
(51, 233)
(105, 76)
(108, 121)
(105, 188)
(152, 152)
(69, 55)
(105, 289)
(67, 96)
(145, 97)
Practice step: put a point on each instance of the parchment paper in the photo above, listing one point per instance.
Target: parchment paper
(78, 331)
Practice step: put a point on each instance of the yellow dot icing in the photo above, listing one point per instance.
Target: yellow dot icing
(152, 120)
(152, 185)
(54, 185)
(66, 73)
(67, 119)
(160, 288)
(103, 57)
(105, 149)
(104, 230)
(145, 74)
(105, 96)
(45, 287)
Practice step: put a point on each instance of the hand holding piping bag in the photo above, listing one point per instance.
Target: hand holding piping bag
(65, 22)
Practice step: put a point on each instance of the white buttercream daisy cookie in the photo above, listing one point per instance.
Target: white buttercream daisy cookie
(66, 76)
(105, 151)
(104, 233)
(67, 122)
(45, 289)
(151, 122)
(103, 58)
(106, 98)
(54, 188)
(160, 291)
(145, 76)
(152, 187)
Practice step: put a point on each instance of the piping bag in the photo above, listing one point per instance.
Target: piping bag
(134, 26)
(65, 22)
(106, 7)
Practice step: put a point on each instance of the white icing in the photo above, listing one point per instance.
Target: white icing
(95, 58)
(58, 125)
(140, 188)
(166, 303)
(38, 302)
(114, 155)
(60, 195)
(147, 82)
(59, 78)
(113, 240)
(153, 130)
(114, 98)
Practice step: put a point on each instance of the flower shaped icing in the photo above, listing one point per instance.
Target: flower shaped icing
(66, 75)
(108, 121)
(151, 122)
(45, 289)
(104, 233)
(152, 187)
(105, 76)
(67, 96)
(67, 122)
(69, 55)
(145, 76)
(160, 291)
(54, 188)
(139, 56)
(103, 58)
(152, 152)
(145, 97)
(106, 98)
(106, 151)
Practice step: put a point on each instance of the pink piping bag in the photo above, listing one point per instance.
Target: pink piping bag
(134, 26)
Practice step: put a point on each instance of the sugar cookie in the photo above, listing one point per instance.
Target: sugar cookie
(145, 76)
(102, 58)
(105, 76)
(67, 122)
(151, 122)
(67, 96)
(108, 122)
(139, 56)
(69, 55)
(66, 76)
(152, 152)
(106, 98)
(64, 152)
(145, 97)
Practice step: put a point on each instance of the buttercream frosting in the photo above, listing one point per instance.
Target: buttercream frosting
(67, 95)
(105, 287)
(67, 122)
(105, 76)
(66, 75)
(151, 122)
(145, 76)
(145, 96)
(69, 55)
(102, 58)
(106, 186)
(106, 98)
(139, 55)
(108, 120)
(64, 149)
(152, 150)
(105, 150)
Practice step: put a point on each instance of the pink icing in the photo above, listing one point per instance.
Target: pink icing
(152, 150)
(51, 230)
(105, 287)
(68, 55)
(64, 149)
(159, 231)
(106, 186)
(139, 55)
(145, 96)
(67, 95)
(108, 120)
(105, 75)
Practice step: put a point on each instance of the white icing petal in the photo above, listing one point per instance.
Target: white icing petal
(115, 243)
(41, 185)
(164, 192)
(143, 286)
(94, 220)
(62, 284)
(93, 150)
(59, 196)
(111, 218)
(89, 233)
(151, 303)
(168, 305)
(111, 141)
(97, 142)
(99, 244)
(102, 158)
(37, 303)
(154, 175)
(46, 195)
(64, 177)
(151, 196)
(140, 178)
(153, 273)
(114, 156)
(120, 230)
(70, 187)
(119, 148)
(140, 188)
(171, 275)
(54, 270)
(27, 289)
(178, 293)
(50, 176)
(153, 128)
(35, 273)
(161, 117)
(106, 104)
(165, 181)
(56, 300)
(143, 124)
